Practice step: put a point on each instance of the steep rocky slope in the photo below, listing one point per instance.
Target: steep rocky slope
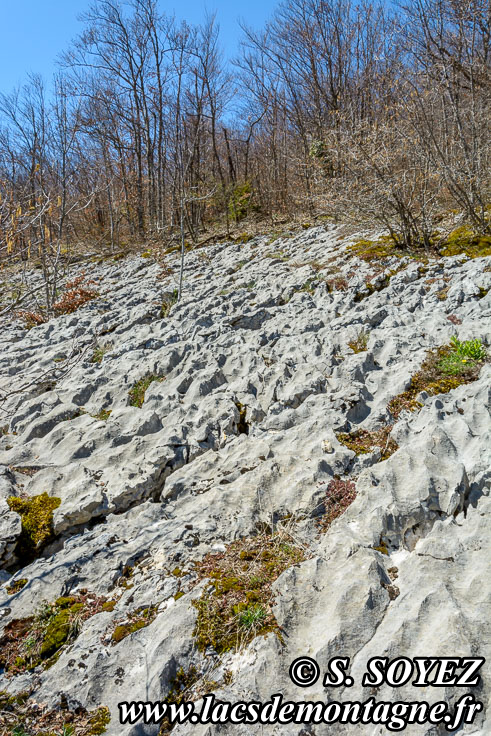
(238, 436)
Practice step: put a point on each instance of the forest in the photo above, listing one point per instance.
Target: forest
(334, 111)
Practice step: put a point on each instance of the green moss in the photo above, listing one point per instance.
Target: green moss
(178, 595)
(139, 619)
(57, 633)
(36, 515)
(108, 605)
(137, 392)
(388, 246)
(39, 640)
(98, 722)
(370, 250)
(16, 586)
(65, 602)
(464, 241)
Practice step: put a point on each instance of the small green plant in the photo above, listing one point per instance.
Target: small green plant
(137, 393)
(472, 349)
(461, 356)
(359, 344)
(252, 618)
(277, 255)
(308, 287)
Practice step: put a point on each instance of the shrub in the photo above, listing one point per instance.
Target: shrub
(77, 293)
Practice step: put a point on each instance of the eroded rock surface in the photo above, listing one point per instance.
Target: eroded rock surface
(256, 379)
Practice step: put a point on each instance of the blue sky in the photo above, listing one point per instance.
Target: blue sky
(34, 32)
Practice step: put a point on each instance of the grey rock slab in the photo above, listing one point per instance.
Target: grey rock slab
(256, 381)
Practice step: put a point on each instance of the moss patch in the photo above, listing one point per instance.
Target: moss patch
(36, 515)
(443, 369)
(236, 606)
(137, 620)
(385, 247)
(463, 241)
(371, 250)
(137, 392)
(362, 441)
(17, 586)
(39, 639)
